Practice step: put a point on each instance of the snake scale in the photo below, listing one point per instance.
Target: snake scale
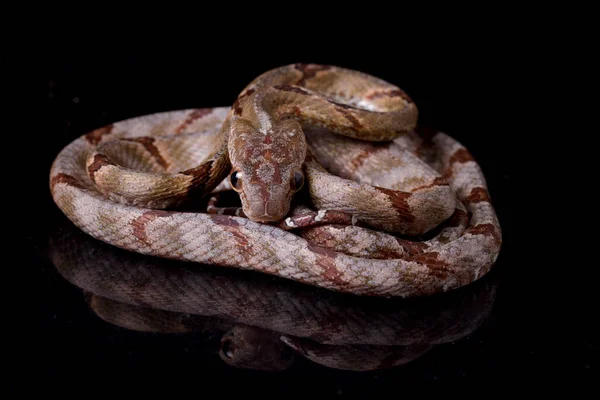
(339, 187)
(260, 322)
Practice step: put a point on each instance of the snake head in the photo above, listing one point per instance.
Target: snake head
(254, 348)
(267, 167)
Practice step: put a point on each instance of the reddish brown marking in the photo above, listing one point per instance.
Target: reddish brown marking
(386, 254)
(248, 152)
(457, 219)
(412, 247)
(268, 139)
(309, 71)
(326, 260)
(100, 160)
(486, 230)
(290, 88)
(139, 224)
(276, 173)
(399, 202)
(237, 105)
(194, 115)
(224, 220)
(389, 93)
(439, 181)
(349, 116)
(461, 155)
(431, 260)
(200, 173)
(478, 195)
(95, 136)
(66, 179)
(148, 143)
(232, 226)
(318, 235)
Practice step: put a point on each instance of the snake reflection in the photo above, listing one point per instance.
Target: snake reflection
(265, 322)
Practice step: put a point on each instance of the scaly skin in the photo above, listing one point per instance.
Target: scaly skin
(116, 184)
(260, 320)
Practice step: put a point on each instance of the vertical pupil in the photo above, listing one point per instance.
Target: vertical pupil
(298, 180)
(235, 178)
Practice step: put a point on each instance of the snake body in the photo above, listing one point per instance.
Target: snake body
(262, 322)
(346, 140)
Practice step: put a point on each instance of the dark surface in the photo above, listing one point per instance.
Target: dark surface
(458, 89)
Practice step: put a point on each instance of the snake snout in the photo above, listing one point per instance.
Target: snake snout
(268, 211)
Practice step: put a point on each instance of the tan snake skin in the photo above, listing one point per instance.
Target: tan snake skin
(263, 323)
(387, 175)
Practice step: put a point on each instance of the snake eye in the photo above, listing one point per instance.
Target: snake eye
(236, 180)
(297, 181)
(227, 349)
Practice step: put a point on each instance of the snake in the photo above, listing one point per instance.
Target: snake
(339, 185)
(260, 322)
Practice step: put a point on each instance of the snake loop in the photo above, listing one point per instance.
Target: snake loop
(421, 220)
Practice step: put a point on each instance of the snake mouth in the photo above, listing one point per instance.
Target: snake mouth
(267, 218)
(268, 211)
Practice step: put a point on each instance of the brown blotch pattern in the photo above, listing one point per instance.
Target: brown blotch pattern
(345, 111)
(459, 218)
(148, 144)
(232, 226)
(389, 93)
(139, 224)
(411, 247)
(386, 254)
(399, 202)
(200, 175)
(224, 220)
(478, 195)
(196, 114)
(439, 181)
(326, 260)
(100, 160)
(486, 230)
(309, 71)
(95, 136)
(431, 260)
(66, 179)
(369, 150)
(461, 155)
(237, 104)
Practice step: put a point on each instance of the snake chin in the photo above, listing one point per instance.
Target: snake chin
(265, 212)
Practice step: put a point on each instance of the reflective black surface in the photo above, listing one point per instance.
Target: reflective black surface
(500, 330)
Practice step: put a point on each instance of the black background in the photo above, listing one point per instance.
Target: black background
(460, 84)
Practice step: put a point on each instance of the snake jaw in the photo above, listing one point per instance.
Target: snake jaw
(268, 211)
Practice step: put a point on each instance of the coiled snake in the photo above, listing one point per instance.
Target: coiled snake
(259, 322)
(390, 209)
